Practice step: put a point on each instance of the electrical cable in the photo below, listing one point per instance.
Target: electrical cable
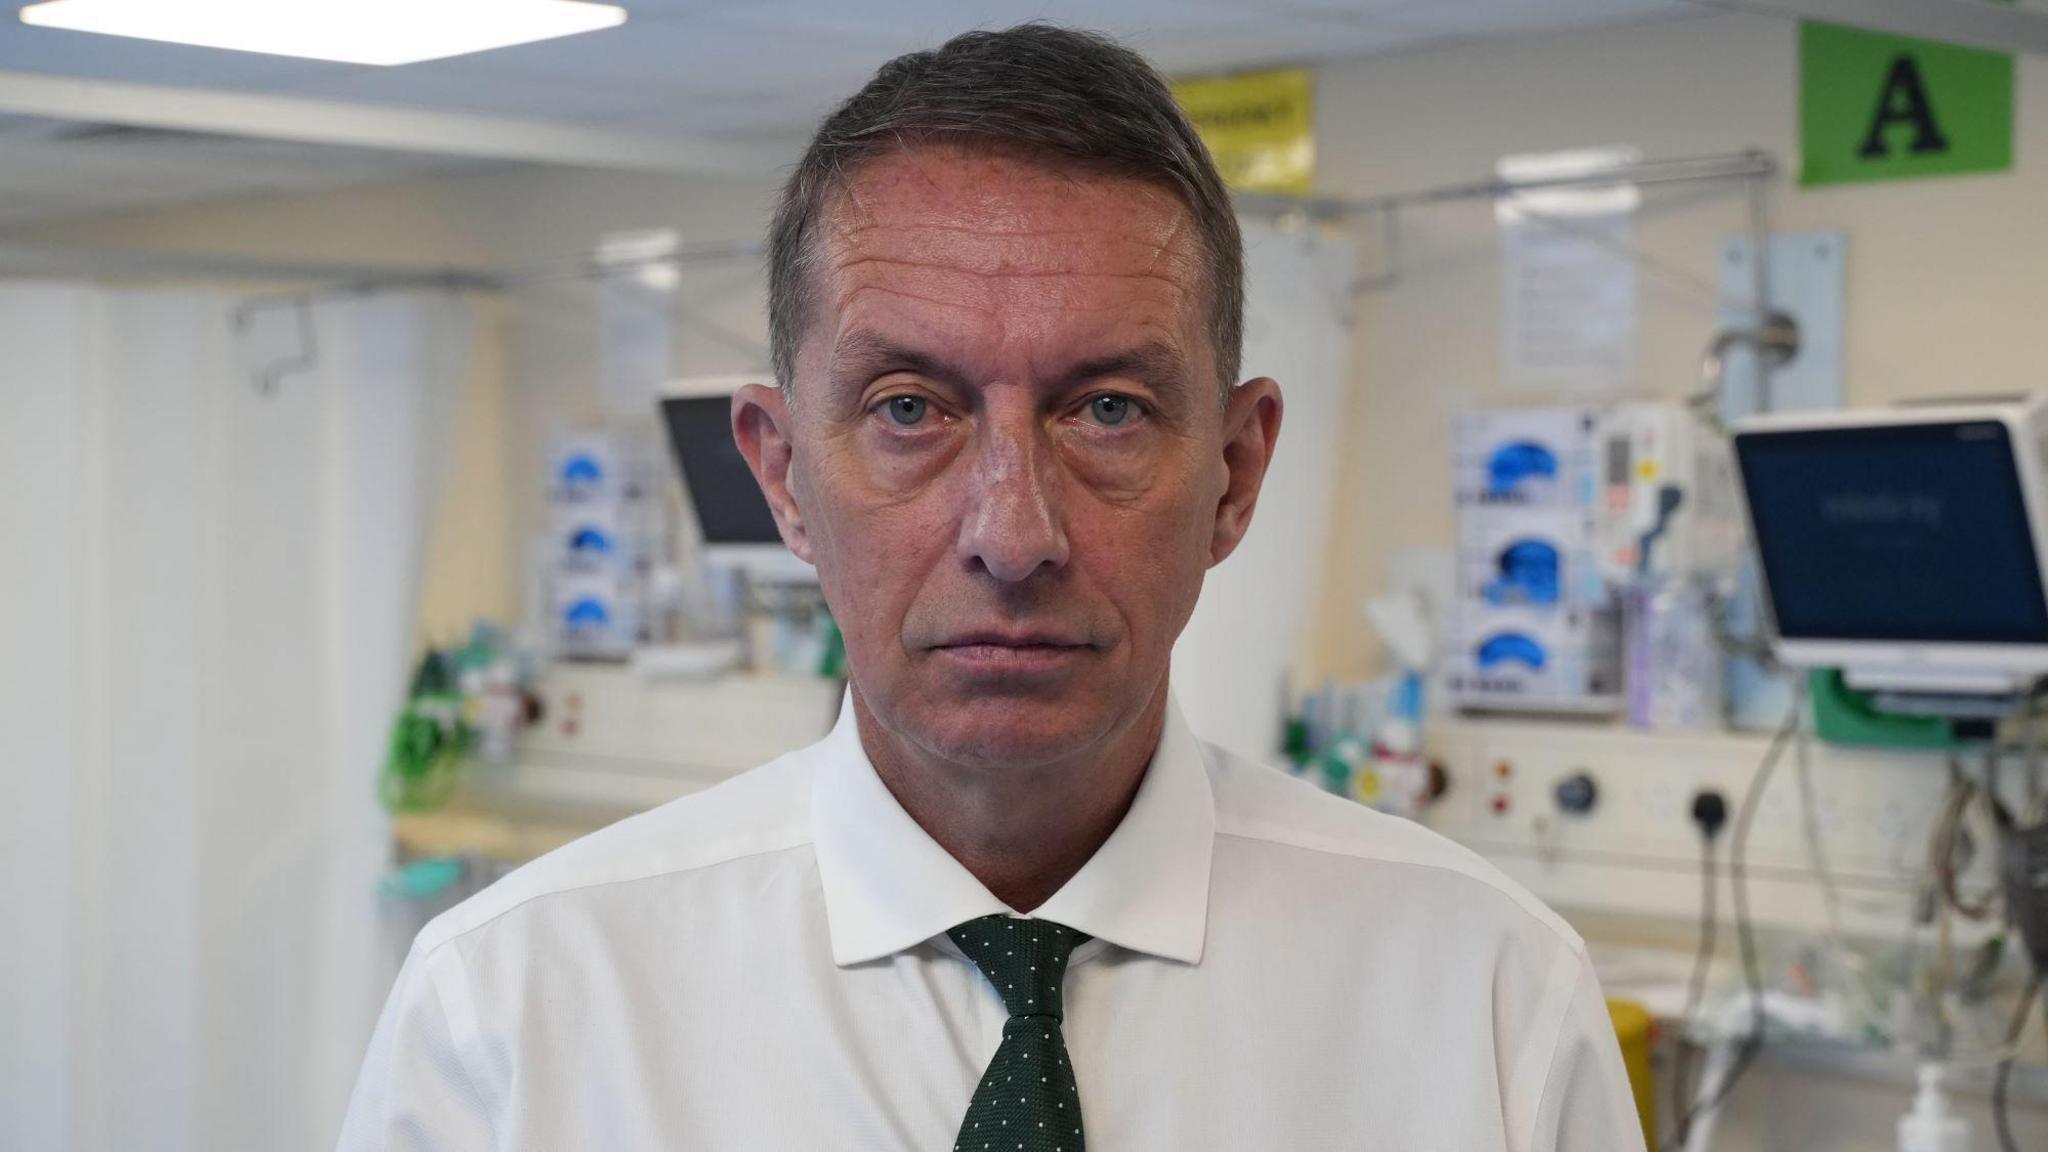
(1816, 849)
(1942, 846)
(2001, 1085)
(1703, 959)
(1850, 964)
(2037, 804)
(2031, 736)
(1745, 929)
(2037, 796)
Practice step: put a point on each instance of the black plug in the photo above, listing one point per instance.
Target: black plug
(1709, 813)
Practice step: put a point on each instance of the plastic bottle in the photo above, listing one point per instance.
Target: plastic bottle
(1931, 1126)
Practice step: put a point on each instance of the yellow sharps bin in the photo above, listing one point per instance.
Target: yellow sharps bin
(1632, 1026)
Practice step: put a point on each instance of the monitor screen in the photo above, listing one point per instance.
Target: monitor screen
(728, 502)
(1908, 533)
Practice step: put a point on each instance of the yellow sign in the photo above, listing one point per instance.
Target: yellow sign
(1260, 126)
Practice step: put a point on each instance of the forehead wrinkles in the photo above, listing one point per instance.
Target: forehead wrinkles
(998, 217)
(1037, 252)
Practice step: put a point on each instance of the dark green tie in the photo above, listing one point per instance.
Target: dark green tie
(1027, 1099)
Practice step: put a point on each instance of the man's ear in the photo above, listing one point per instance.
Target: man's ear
(761, 425)
(1251, 427)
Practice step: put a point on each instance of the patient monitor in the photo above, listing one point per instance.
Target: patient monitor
(739, 530)
(1904, 545)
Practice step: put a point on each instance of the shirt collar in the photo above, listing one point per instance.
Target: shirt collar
(889, 886)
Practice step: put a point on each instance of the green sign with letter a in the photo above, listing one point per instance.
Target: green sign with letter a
(1879, 107)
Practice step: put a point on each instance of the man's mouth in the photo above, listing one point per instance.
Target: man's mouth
(998, 639)
(1024, 652)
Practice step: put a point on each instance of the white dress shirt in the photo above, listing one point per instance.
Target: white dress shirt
(764, 966)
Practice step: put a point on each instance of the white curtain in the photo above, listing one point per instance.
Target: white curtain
(209, 611)
(1254, 625)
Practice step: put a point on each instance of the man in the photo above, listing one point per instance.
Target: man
(1010, 902)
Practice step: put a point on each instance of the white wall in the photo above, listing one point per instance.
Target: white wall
(1256, 617)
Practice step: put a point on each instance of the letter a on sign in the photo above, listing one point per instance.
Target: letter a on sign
(1903, 101)
(1880, 107)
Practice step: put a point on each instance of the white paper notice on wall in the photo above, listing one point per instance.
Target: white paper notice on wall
(1568, 281)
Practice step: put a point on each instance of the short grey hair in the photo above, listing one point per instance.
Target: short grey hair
(1076, 97)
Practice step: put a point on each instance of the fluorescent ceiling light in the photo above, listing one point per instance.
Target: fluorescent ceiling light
(352, 31)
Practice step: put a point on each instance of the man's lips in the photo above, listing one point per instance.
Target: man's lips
(1013, 640)
(1011, 652)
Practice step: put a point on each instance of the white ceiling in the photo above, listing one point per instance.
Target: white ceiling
(716, 70)
(55, 169)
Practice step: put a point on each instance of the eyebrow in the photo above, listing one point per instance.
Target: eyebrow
(863, 355)
(1155, 364)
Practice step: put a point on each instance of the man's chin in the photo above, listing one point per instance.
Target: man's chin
(1010, 730)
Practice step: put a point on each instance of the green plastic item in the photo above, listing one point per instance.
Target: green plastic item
(428, 741)
(1842, 715)
(832, 662)
(1294, 742)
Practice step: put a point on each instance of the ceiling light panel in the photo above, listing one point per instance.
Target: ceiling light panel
(349, 31)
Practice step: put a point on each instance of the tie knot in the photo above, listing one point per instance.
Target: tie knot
(1026, 960)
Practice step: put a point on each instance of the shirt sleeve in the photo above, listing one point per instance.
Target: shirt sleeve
(414, 1091)
(1587, 1102)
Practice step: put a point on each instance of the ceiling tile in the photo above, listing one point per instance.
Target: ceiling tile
(711, 112)
(452, 86)
(1504, 17)
(1268, 42)
(907, 24)
(676, 52)
(86, 55)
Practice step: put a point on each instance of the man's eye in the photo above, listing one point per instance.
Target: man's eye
(1110, 410)
(907, 411)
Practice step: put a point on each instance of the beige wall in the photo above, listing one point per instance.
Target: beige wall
(1946, 279)
(469, 573)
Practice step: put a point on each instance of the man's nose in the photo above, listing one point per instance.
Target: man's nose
(1012, 524)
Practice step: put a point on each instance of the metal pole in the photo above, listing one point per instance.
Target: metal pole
(1748, 165)
(1760, 284)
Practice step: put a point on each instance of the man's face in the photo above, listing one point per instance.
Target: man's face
(1006, 453)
